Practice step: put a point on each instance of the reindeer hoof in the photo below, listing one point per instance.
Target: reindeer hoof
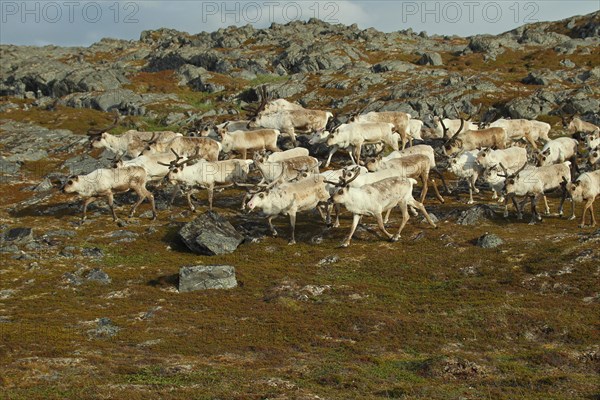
(582, 226)
(476, 190)
(345, 244)
(470, 202)
(571, 218)
(395, 238)
(274, 234)
(505, 215)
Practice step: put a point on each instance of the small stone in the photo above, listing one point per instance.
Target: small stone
(9, 249)
(61, 233)
(329, 260)
(97, 275)
(93, 252)
(202, 277)
(123, 234)
(105, 329)
(5, 294)
(316, 239)
(489, 241)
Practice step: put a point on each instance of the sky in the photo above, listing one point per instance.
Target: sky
(81, 23)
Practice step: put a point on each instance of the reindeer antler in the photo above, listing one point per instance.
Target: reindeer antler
(97, 132)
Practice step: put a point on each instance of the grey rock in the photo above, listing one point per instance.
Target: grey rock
(528, 107)
(476, 215)
(61, 233)
(43, 186)
(430, 59)
(204, 277)
(18, 235)
(329, 260)
(210, 234)
(124, 234)
(8, 167)
(89, 80)
(84, 164)
(93, 252)
(104, 329)
(11, 248)
(568, 63)
(7, 293)
(489, 241)
(28, 155)
(97, 275)
(537, 78)
(393, 65)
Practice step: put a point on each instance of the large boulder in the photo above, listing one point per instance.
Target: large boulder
(18, 235)
(204, 277)
(430, 59)
(210, 234)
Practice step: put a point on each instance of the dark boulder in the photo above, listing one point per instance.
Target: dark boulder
(210, 234)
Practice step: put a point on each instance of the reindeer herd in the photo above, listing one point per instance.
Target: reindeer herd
(504, 154)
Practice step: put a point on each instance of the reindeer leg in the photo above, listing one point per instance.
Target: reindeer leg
(150, 196)
(572, 217)
(421, 208)
(424, 179)
(351, 154)
(336, 224)
(271, 227)
(211, 190)
(446, 189)
(176, 191)
(471, 201)
(292, 215)
(437, 192)
(587, 206)
(86, 203)
(357, 152)
(382, 226)
(547, 207)
(405, 217)
(592, 213)
(355, 220)
(387, 216)
(331, 153)
(188, 195)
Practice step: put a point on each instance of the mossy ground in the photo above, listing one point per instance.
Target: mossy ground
(394, 313)
(394, 317)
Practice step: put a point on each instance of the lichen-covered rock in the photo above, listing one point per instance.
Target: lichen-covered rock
(489, 241)
(203, 277)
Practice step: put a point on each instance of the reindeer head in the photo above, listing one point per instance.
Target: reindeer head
(575, 189)
(594, 156)
(543, 157)
(71, 185)
(98, 137)
(483, 155)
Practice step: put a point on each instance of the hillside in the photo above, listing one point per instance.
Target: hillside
(92, 310)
